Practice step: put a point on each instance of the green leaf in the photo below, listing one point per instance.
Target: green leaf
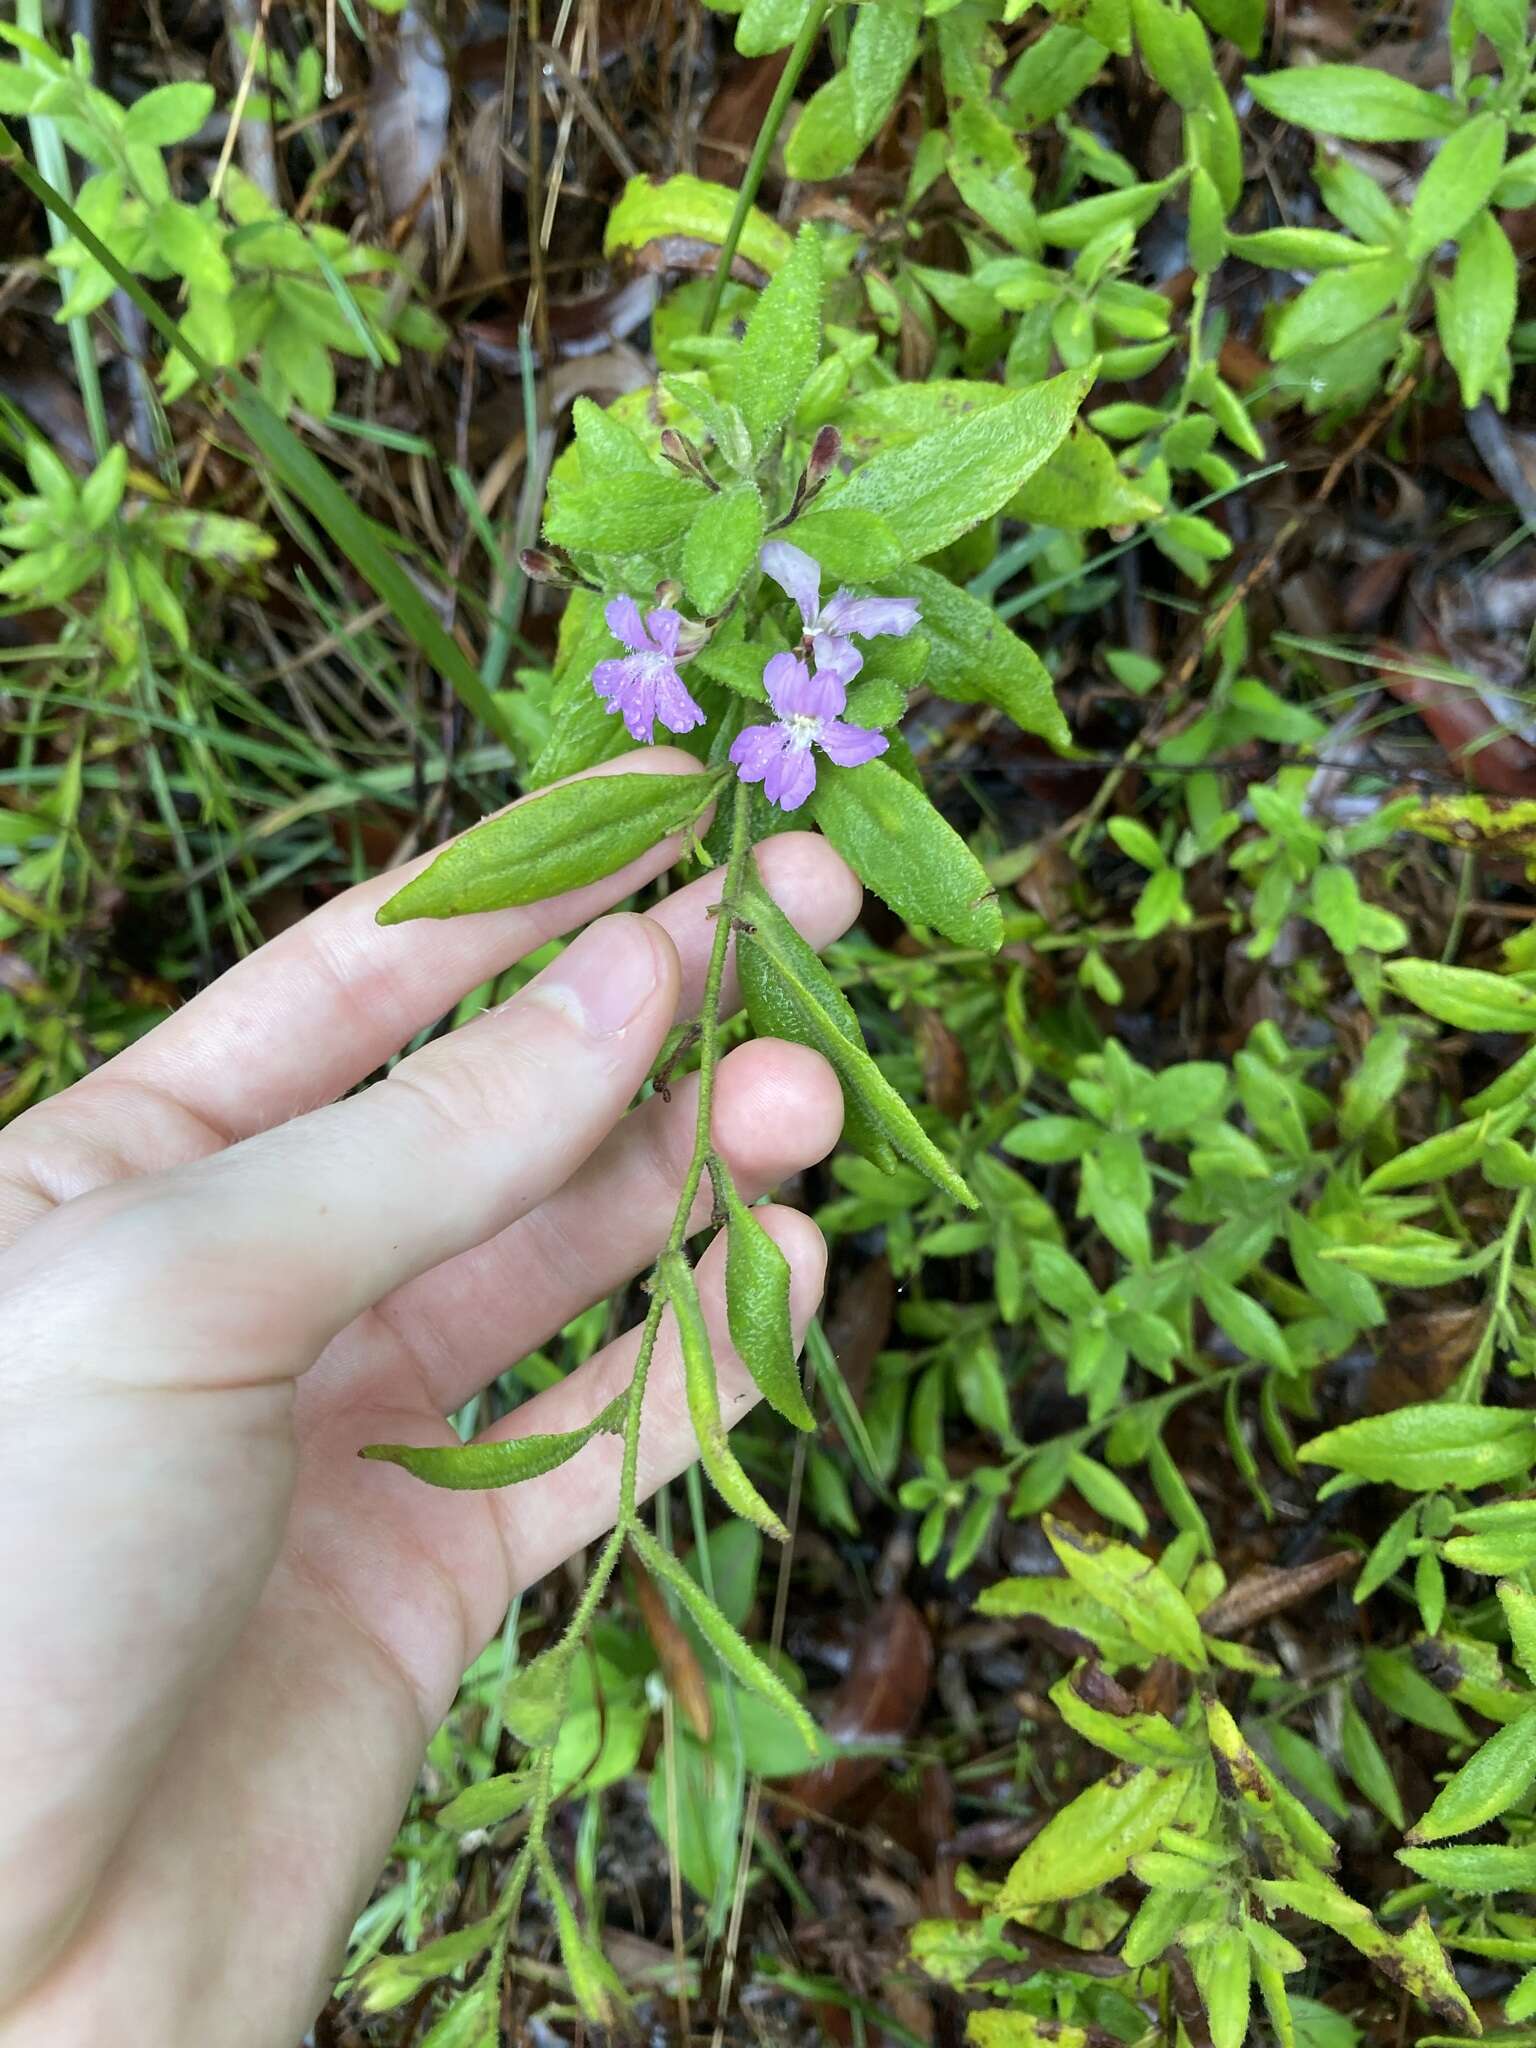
(1519, 1605)
(1051, 73)
(168, 113)
(1082, 221)
(1148, 1605)
(635, 512)
(1475, 1867)
(789, 994)
(1106, 1493)
(715, 1454)
(991, 173)
(757, 1310)
(1432, 1159)
(722, 546)
(534, 1702)
(1337, 303)
(934, 489)
(471, 1467)
(1247, 1322)
(593, 1983)
(899, 846)
(560, 839)
(1090, 1842)
(767, 25)
(850, 109)
(1367, 1766)
(1496, 1778)
(1355, 102)
(1475, 311)
(722, 422)
(851, 546)
(488, 1803)
(782, 341)
(1062, 1604)
(1176, 51)
(102, 491)
(1464, 997)
(650, 209)
(1223, 1972)
(1082, 486)
(1457, 184)
(737, 1656)
(1240, 21)
(1301, 249)
(389, 1981)
(975, 659)
(1430, 1445)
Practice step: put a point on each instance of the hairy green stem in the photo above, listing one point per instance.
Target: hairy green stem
(702, 1161)
(799, 56)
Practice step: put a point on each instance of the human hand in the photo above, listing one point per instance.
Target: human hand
(227, 1639)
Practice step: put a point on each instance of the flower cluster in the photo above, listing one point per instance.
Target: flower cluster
(807, 697)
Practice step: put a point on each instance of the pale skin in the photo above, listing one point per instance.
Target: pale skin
(224, 1638)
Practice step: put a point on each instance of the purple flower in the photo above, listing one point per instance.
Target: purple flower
(644, 684)
(779, 755)
(827, 626)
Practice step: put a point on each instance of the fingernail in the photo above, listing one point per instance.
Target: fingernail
(605, 979)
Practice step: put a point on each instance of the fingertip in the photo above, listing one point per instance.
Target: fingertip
(811, 883)
(778, 1109)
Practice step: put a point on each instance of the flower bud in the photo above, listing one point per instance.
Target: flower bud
(682, 454)
(542, 565)
(825, 449)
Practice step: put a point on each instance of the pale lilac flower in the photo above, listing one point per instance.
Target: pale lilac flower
(644, 684)
(807, 706)
(827, 626)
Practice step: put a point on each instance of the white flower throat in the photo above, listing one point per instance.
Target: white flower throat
(802, 729)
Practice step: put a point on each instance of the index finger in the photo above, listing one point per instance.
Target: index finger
(318, 1008)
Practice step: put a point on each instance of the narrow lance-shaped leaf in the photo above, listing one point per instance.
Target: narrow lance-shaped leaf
(757, 1308)
(1489, 1783)
(592, 1980)
(558, 840)
(715, 1454)
(473, 1467)
(737, 1656)
(896, 842)
(789, 994)
(1353, 101)
(1431, 1444)
(782, 341)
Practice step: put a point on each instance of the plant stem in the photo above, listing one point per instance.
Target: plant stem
(677, 1237)
(799, 56)
(534, 1852)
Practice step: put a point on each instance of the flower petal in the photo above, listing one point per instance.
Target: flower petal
(674, 706)
(839, 661)
(755, 749)
(790, 778)
(788, 682)
(850, 746)
(870, 617)
(623, 616)
(664, 625)
(796, 574)
(625, 687)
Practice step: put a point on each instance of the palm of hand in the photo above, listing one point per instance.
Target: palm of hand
(234, 1636)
